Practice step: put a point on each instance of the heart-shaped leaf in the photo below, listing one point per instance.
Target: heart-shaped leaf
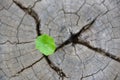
(45, 44)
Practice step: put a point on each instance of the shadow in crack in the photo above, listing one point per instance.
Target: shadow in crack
(72, 39)
(35, 16)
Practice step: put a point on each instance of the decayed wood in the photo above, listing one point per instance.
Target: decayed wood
(86, 33)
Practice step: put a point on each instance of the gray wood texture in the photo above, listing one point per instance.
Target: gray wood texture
(93, 55)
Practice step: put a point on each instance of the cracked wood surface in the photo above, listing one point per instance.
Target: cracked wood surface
(87, 33)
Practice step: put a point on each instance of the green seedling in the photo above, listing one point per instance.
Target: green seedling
(45, 44)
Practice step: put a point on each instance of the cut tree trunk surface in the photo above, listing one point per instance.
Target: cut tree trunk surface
(87, 34)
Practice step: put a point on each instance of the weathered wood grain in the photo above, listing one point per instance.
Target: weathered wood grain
(21, 21)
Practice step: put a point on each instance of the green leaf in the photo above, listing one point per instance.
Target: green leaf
(45, 44)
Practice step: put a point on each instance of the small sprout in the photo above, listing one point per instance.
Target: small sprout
(45, 44)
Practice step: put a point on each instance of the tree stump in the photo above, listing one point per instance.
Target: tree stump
(87, 34)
